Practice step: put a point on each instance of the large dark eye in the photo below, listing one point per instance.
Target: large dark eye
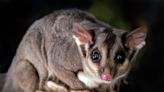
(120, 57)
(95, 56)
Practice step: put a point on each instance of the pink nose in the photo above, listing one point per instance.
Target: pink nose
(106, 77)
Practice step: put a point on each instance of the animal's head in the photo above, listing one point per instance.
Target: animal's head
(107, 52)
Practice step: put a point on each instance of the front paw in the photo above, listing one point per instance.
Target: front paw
(87, 80)
(39, 91)
(80, 91)
(53, 87)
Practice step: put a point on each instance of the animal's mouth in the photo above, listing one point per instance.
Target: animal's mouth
(106, 77)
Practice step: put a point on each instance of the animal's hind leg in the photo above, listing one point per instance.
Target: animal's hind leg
(27, 76)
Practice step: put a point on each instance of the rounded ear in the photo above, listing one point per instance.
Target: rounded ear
(81, 35)
(136, 38)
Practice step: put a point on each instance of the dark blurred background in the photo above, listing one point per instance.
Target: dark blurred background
(17, 15)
